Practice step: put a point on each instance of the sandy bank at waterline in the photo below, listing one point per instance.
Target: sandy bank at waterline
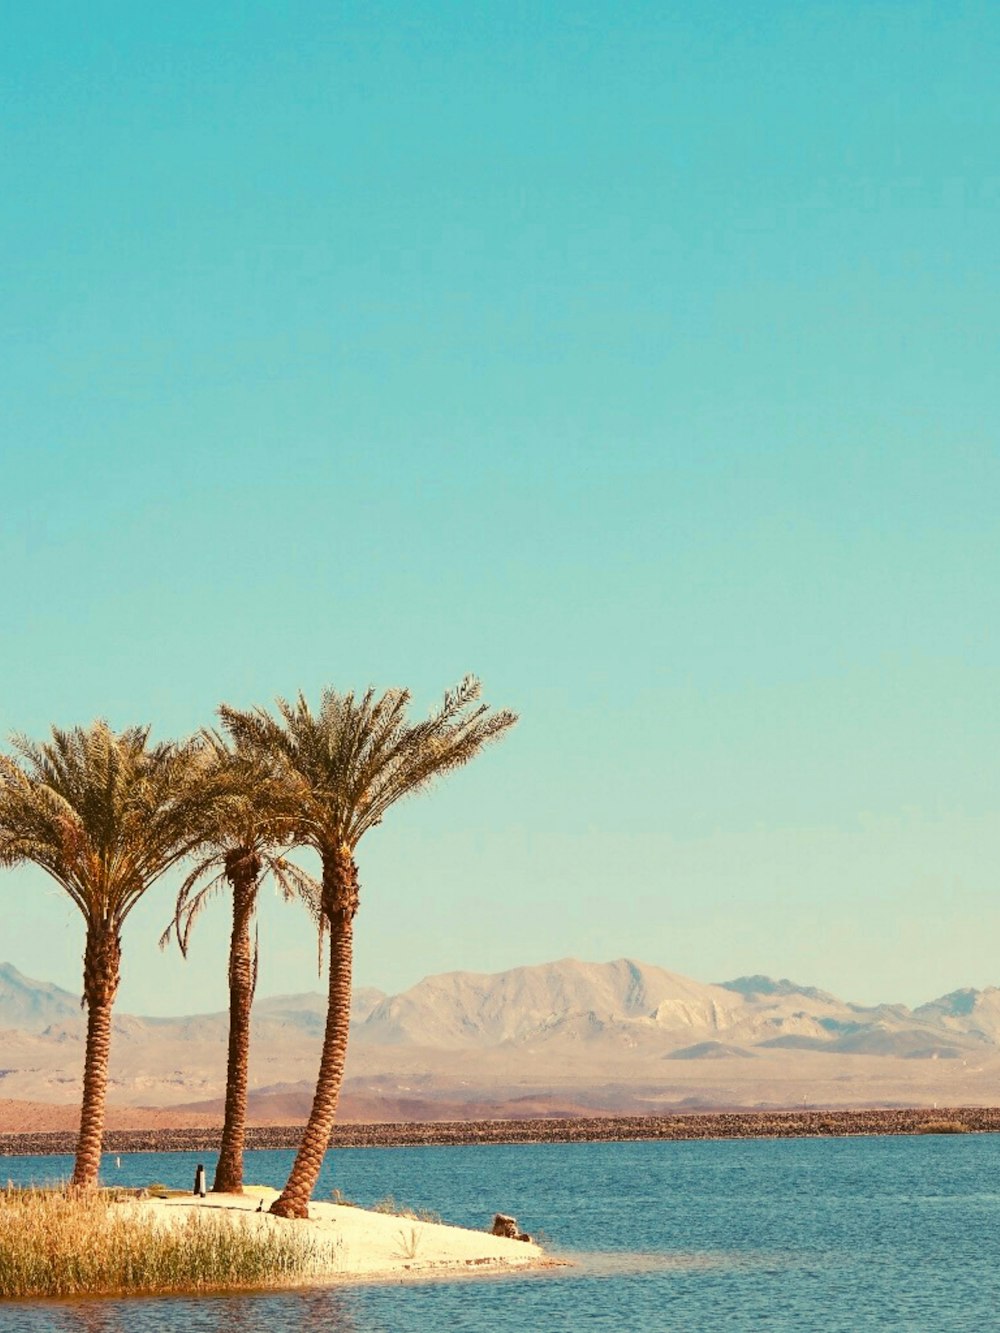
(354, 1244)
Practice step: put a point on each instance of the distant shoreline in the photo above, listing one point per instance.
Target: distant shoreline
(703, 1125)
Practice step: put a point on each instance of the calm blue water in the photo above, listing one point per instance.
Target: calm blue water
(831, 1234)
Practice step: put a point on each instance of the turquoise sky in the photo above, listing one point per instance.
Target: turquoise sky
(640, 358)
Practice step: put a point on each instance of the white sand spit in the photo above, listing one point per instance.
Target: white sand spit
(353, 1243)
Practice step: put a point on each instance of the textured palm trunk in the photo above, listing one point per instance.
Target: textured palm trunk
(340, 903)
(242, 874)
(101, 970)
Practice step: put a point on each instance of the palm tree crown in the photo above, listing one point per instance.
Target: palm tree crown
(103, 813)
(358, 756)
(245, 836)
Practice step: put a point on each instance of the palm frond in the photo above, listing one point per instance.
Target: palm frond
(104, 813)
(348, 763)
(244, 833)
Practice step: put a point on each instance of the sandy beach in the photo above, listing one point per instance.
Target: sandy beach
(354, 1244)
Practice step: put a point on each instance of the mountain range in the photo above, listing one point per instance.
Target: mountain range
(560, 1038)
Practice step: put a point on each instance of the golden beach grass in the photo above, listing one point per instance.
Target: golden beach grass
(55, 1244)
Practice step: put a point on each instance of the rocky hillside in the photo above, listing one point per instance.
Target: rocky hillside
(31, 1006)
(633, 1004)
(563, 1036)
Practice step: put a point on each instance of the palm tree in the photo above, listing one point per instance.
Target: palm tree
(104, 814)
(351, 761)
(248, 829)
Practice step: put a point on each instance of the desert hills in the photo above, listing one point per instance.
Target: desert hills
(559, 1038)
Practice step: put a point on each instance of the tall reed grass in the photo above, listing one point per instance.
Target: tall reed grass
(54, 1244)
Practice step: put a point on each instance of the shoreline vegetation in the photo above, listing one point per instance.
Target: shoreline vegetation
(55, 1243)
(701, 1125)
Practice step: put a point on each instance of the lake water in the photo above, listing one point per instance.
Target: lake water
(826, 1234)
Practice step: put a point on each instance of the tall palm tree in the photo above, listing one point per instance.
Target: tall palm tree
(247, 831)
(104, 814)
(351, 761)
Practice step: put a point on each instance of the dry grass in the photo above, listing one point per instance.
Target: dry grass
(942, 1127)
(408, 1243)
(394, 1209)
(52, 1244)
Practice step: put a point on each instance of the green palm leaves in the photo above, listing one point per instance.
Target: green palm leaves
(359, 755)
(104, 813)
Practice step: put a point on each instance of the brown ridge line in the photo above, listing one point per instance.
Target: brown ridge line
(714, 1125)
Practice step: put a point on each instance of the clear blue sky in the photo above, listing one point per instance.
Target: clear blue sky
(640, 358)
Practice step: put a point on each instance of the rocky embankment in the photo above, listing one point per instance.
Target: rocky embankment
(714, 1125)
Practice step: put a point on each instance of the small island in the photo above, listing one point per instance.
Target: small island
(345, 1242)
(157, 1241)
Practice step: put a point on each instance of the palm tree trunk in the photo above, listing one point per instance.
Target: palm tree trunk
(229, 1169)
(340, 902)
(101, 964)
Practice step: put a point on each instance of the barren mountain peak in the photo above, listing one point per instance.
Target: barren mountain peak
(762, 985)
(32, 1005)
(961, 1001)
